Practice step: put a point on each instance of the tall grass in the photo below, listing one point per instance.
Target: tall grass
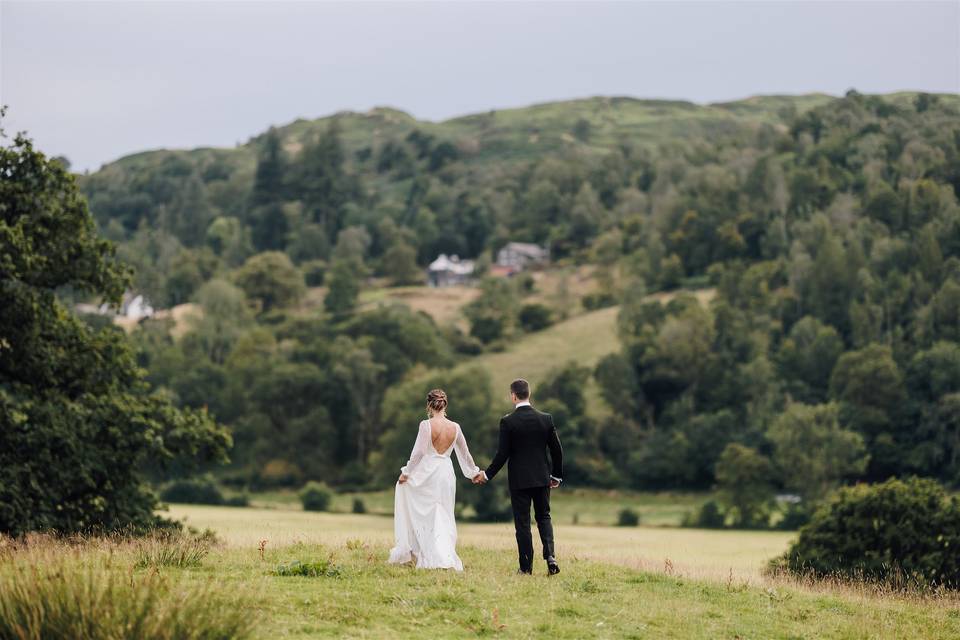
(172, 549)
(89, 589)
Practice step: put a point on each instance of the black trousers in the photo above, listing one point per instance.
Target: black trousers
(521, 499)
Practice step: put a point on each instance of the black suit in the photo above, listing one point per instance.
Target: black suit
(525, 437)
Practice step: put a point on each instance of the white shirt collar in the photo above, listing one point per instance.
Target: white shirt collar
(522, 403)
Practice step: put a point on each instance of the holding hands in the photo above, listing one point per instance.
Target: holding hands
(480, 478)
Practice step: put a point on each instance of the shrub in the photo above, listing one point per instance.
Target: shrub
(593, 301)
(794, 517)
(487, 328)
(534, 317)
(314, 272)
(319, 569)
(709, 516)
(280, 473)
(192, 491)
(238, 500)
(628, 518)
(462, 342)
(358, 506)
(56, 592)
(315, 496)
(890, 531)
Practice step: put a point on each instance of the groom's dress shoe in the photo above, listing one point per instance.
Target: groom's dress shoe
(552, 567)
(525, 572)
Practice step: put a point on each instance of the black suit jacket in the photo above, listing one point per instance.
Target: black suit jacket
(525, 436)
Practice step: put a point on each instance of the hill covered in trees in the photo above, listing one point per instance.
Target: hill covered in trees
(829, 227)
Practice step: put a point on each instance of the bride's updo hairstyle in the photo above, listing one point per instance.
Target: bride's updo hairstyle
(437, 402)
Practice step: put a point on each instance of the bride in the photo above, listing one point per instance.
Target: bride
(424, 526)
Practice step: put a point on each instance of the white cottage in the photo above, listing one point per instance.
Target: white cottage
(447, 271)
(517, 256)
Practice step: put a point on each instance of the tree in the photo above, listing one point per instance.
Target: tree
(230, 239)
(807, 358)
(491, 315)
(399, 263)
(587, 216)
(271, 279)
(189, 269)
(869, 386)
(581, 130)
(268, 182)
(290, 422)
(78, 424)
(321, 182)
(270, 227)
(361, 376)
(745, 478)
(218, 326)
(343, 288)
(813, 452)
(352, 246)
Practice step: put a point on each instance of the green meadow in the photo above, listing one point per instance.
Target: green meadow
(645, 582)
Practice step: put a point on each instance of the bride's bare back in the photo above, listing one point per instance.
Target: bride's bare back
(443, 432)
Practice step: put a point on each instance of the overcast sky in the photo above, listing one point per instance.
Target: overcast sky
(96, 81)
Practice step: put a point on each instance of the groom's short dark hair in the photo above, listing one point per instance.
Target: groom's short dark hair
(520, 388)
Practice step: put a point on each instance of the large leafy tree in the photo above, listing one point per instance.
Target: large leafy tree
(78, 424)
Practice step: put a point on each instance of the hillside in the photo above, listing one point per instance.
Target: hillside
(583, 339)
(515, 134)
(828, 230)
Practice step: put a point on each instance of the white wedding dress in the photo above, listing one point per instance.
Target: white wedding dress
(424, 527)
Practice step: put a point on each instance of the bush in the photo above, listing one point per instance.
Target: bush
(534, 317)
(462, 342)
(594, 301)
(320, 569)
(709, 516)
(314, 272)
(794, 517)
(628, 518)
(238, 500)
(358, 506)
(192, 491)
(280, 473)
(315, 496)
(487, 328)
(898, 530)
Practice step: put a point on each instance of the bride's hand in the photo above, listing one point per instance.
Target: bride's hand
(402, 479)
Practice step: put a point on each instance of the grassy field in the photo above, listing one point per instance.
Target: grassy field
(570, 506)
(694, 552)
(616, 583)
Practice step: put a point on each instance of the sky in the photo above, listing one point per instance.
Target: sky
(97, 81)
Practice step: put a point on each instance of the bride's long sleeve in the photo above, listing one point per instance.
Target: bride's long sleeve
(467, 465)
(420, 449)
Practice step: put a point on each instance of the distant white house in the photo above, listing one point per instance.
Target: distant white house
(517, 256)
(133, 306)
(447, 271)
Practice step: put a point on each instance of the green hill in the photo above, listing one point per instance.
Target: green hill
(520, 133)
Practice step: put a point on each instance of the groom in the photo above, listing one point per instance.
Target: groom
(525, 436)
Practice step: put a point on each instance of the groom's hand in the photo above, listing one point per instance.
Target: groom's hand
(480, 478)
(554, 483)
